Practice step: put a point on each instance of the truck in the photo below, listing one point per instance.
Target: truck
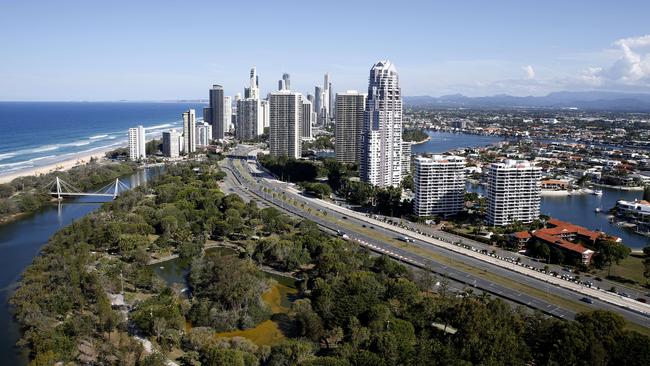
(405, 238)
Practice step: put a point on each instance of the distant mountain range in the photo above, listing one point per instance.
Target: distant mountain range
(587, 100)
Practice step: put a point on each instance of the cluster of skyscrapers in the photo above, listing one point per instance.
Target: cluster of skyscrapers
(368, 132)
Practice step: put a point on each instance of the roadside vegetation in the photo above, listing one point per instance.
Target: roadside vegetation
(351, 308)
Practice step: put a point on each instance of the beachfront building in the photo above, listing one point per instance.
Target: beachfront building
(189, 131)
(439, 185)
(137, 143)
(513, 192)
(170, 141)
(350, 107)
(203, 134)
(380, 163)
(285, 118)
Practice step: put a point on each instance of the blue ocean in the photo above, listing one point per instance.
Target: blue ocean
(35, 134)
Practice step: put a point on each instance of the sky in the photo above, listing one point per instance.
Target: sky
(169, 50)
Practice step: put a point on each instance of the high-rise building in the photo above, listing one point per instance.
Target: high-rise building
(349, 124)
(264, 106)
(306, 122)
(287, 81)
(189, 131)
(254, 89)
(439, 185)
(249, 122)
(513, 192)
(170, 144)
(214, 114)
(284, 131)
(227, 114)
(137, 143)
(203, 134)
(406, 158)
(318, 99)
(380, 162)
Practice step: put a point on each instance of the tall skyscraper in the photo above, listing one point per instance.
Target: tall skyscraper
(285, 115)
(287, 81)
(254, 88)
(513, 192)
(189, 131)
(406, 158)
(227, 114)
(137, 143)
(349, 124)
(170, 144)
(264, 106)
(439, 185)
(214, 114)
(381, 139)
(306, 122)
(249, 122)
(318, 99)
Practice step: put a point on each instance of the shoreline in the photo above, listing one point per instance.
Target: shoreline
(60, 166)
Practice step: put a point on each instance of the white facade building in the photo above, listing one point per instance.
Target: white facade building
(227, 114)
(350, 108)
(189, 131)
(137, 143)
(381, 139)
(170, 140)
(203, 134)
(285, 118)
(264, 112)
(439, 185)
(513, 192)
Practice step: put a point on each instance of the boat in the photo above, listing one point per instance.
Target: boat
(597, 192)
(597, 209)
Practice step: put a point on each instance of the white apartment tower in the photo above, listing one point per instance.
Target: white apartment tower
(285, 110)
(203, 134)
(189, 131)
(380, 162)
(350, 108)
(439, 185)
(513, 192)
(264, 112)
(227, 113)
(137, 143)
(306, 122)
(170, 142)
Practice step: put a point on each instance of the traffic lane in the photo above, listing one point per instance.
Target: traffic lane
(446, 271)
(279, 186)
(504, 272)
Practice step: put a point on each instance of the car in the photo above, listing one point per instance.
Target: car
(624, 294)
(363, 225)
(588, 300)
(372, 227)
(640, 299)
(344, 217)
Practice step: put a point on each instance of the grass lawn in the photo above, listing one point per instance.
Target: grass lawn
(630, 268)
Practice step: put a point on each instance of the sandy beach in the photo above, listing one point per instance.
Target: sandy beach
(80, 159)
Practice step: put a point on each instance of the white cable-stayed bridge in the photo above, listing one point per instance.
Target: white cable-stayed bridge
(60, 188)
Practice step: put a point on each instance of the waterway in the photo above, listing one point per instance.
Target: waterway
(22, 240)
(577, 209)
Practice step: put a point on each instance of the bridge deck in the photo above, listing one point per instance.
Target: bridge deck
(82, 194)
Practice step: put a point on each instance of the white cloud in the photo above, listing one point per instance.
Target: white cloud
(632, 68)
(530, 72)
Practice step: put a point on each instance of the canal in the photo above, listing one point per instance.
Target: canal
(22, 240)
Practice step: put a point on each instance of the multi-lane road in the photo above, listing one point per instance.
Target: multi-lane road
(472, 270)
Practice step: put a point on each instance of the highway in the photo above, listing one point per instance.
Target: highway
(478, 273)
